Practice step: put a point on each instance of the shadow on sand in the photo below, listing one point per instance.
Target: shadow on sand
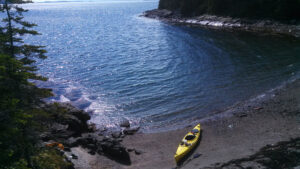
(120, 156)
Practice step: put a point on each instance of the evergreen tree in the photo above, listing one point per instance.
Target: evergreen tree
(14, 28)
(19, 98)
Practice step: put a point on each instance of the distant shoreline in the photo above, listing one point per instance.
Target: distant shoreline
(227, 23)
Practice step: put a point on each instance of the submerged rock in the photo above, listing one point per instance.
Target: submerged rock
(82, 103)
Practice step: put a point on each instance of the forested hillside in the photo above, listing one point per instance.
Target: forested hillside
(254, 9)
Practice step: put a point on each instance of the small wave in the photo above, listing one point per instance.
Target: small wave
(103, 114)
(63, 99)
(119, 70)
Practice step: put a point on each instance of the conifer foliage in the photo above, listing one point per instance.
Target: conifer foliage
(21, 119)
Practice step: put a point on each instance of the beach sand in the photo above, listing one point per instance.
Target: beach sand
(238, 132)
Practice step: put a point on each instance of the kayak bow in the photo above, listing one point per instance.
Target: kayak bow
(188, 143)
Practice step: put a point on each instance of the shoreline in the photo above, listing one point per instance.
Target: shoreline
(239, 132)
(226, 23)
(233, 110)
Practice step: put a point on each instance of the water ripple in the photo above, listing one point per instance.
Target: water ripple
(106, 60)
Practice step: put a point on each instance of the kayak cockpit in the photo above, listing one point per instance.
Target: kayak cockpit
(190, 137)
(188, 143)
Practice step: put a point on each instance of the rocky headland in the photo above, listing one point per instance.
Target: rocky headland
(71, 130)
(264, 26)
(272, 17)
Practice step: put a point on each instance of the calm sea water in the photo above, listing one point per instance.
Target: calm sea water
(105, 59)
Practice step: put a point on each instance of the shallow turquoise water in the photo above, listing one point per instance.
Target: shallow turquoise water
(105, 59)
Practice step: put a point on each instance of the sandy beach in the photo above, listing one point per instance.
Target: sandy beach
(238, 132)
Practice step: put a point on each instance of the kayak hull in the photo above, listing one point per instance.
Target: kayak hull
(186, 146)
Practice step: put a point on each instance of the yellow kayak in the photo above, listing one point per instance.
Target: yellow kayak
(188, 143)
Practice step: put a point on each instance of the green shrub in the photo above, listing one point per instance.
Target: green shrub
(50, 159)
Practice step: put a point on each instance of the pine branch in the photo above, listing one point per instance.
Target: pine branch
(22, 31)
(20, 10)
(34, 51)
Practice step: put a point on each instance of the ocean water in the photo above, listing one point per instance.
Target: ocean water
(105, 59)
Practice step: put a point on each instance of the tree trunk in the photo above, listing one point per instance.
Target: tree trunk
(10, 31)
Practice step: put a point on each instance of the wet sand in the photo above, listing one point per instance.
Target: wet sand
(238, 132)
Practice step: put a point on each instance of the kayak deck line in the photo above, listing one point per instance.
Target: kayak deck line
(188, 143)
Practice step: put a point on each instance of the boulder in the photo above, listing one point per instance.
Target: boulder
(89, 139)
(125, 123)
(67, 117)
(71, 142)
(91, 146)
(108, 139)
(74, 156)
(46, 136)
(119, 140)
(80, 114)
(117, 153)
(131, 131)
(116, 134)
(106, 144)
(92, 127)
(74, 124)
(68, 149)
(82, 103)
(92, 152)
(56, 127)
(63, 134)
(99, 149)
(137, 152)
(85, 141)
(158, 13)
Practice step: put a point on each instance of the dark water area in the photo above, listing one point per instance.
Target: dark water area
(105, 59)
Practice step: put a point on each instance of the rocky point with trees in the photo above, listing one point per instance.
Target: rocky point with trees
(33, 133)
